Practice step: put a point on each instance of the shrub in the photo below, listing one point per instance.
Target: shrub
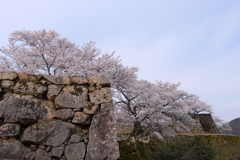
(186, 149)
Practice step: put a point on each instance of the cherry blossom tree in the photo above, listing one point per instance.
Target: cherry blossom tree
(198, 106)
(37, 52)
(45, 52)
(153, 106)
(223, 126)
(157, 107)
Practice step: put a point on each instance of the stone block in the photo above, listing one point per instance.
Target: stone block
(23, 77)
(81, 118)
(9, 130)
(99, 81)
(90, 108)
(64, 114)
(53, 133)
(79, 80)
(75, 151)
(53, 91)
(103, 138)
(102, 95)
(106, 107)
(58, 79)
(75, 138)
(58, 151)
(7, 75)
(7, 84)
(29, 156)
(12, 149)
(72, 97)
(37, 90)
(25, 109)
(42, 155)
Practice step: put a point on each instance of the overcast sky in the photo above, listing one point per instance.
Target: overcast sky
(195, 42)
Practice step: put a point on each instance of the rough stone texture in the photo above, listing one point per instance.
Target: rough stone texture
(7, 90)
(207, 123)
(9, 130)
(99, 81)
(106, 107)
(42, 155)
(64, 114)
(58, 151)
(102, 138)
(58, 79)
(81, 118)
(57, 128)
(75, 138)
(101, 96)
(48, 148)
(75, 151)
(72, 97)
(79, 80)
(45, 82)
(25, 109)
(12, 149)
(23, 77)
(90, 108)
(31, 88)
(8, 75)
(42, 147)
(52, 133)
(7, 84)
(29, 156)
(53, 91)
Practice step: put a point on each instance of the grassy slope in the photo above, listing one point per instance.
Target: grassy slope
(227, 147)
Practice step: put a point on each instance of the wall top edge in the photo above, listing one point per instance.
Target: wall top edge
(102, 80)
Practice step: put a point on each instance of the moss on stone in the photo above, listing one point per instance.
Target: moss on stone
(90, 105)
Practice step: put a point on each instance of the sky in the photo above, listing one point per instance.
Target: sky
(196, 43)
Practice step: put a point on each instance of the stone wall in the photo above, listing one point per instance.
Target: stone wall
(207, 123)
(47, 117)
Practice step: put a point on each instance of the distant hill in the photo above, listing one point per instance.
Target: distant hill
(235, 125)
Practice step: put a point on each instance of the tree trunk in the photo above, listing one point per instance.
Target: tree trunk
(137, 129)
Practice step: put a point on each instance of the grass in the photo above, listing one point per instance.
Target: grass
(226, 147)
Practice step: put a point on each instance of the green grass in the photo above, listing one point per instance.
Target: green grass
(227, 146)
(224, 147)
